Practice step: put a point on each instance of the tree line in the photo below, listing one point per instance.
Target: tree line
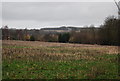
(106, 34)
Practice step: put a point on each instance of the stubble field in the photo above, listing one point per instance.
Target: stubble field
(44, 60)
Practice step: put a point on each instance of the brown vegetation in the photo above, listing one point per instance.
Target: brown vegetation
(45, 50)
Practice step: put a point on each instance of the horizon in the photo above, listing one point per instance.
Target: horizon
(51, 27)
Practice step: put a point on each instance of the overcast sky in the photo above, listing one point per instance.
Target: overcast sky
(58, 0)
(53, 14)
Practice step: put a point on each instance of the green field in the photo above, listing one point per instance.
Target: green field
(58, 61)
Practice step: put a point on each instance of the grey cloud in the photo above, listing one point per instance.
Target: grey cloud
(57, 13)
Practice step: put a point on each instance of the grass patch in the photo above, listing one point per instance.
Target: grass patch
(57, 62)
(77, 69)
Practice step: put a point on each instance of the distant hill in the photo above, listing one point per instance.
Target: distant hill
(65, 29)
(60, 29)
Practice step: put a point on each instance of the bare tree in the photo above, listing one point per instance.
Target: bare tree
(118, 6)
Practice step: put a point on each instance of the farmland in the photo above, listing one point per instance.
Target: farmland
(45, 60)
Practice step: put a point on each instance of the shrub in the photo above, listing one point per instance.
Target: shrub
(64, 37)
(32, 38)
